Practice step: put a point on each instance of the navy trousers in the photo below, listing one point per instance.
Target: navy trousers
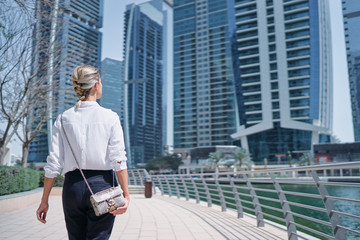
(81, 221)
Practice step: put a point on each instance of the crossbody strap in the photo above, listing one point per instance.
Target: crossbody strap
(82, 174)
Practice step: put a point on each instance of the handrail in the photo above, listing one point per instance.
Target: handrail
(298, 202)
(347, 165)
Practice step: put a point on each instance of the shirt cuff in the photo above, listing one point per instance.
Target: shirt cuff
(120, 166)
(51, 174)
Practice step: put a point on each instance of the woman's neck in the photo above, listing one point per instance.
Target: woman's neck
(90, 98)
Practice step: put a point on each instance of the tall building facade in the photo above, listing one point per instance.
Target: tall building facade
(205, 73)
(285, 82)
(112, 79)
(147, 86)
(79, 39)
(351, 11)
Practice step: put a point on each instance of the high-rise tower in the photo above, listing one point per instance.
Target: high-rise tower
(148, 79)
(79, 39)
(205, 73)
(351, 11)
(285, 75)
(112, 79)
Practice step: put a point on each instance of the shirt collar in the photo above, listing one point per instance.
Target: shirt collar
(88, 104)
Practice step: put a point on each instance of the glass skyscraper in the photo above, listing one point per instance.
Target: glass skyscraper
(148, 77)
(113, 86)
(285, 85)
(205, 73)
(78, 36)
(351, 11)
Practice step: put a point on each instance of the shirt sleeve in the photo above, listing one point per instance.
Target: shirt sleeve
(116, 147)
(55, 160)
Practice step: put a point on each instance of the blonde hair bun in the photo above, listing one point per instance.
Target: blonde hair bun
(84, 78)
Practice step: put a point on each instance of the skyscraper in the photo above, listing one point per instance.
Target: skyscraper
(78, 36)
(113, 86)
(285, 85)
(351, 11)
(205, 73)
(148, 77)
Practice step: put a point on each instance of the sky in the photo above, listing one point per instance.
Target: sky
(112, 47)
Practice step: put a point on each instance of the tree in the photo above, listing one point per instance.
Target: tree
(24, 85)
(243, 158)
(164, 162)
(30, 127)
(306, 159)
(215, 157)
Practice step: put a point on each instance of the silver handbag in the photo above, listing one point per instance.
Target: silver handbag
(104, 201)
(107, 200)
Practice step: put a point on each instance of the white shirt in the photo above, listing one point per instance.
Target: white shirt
(96, 137)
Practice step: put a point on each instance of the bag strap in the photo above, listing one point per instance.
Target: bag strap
(82, 174)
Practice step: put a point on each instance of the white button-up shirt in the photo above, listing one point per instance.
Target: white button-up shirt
(96, 137)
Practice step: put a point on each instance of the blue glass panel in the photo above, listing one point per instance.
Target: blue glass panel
(218, 19)
(183, 12)
(278, 140)
(215, 5)
(181, 2)
(183, 27)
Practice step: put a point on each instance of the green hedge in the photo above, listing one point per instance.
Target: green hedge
(59, 182)
(17, 179)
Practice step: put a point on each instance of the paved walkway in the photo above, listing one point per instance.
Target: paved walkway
(160, 217)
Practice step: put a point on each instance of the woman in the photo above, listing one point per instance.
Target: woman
(96, 138)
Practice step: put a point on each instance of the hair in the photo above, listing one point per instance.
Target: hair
(84, 78)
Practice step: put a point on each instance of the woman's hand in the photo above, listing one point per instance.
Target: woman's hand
(44, 205)
(42, 211)
(121, 210)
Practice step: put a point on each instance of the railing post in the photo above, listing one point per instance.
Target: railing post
(221, 194)
(257, 207)
(186, 190)
(168, 185)
(177, 188)
(141, 178)
(208, 196)
(289, 219)
(130, 177)
(239, 208)
(134, 177)
(161, 185)
(196, 191)
(334, 218)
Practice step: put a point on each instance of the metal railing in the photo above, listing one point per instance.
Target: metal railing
(138, 176)
(312, 205)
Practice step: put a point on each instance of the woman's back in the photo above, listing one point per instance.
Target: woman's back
(91, 130)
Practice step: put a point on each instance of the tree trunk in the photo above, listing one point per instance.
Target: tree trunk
(3, 152)
(25, 151)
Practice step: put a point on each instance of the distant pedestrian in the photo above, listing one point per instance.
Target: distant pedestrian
(96, 138)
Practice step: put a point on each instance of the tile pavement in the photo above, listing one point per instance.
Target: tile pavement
(159, 217)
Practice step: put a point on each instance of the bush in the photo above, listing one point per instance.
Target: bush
(59, 182)
(17, 179)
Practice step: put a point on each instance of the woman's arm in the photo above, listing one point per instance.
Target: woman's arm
(123, 180)
(52, 169)
(44, 205)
